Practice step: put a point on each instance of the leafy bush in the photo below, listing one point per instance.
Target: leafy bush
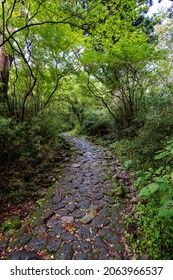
(156, 126)
(150, 160)
(155, 234)
(130, 116)
(96, 122)
(158, 122)
(161, 181)
(25, 148)
(154, 211)
(23, 142)
(10, 140)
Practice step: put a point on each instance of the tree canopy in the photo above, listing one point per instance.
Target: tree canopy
(43, 41)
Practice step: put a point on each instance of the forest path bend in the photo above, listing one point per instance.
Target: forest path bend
(80, 216)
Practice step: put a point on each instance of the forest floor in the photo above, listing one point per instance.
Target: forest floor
(82, 215)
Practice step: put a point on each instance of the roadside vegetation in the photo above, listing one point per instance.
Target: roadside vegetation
(100, 69)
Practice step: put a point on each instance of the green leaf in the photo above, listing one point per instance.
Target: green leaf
(148, 190)
(161, 155)
(159, 171)
(166, 210)
(165, 198)
(165, 187)
(159, 179)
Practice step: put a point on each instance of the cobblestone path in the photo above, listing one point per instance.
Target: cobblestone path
(79, 218)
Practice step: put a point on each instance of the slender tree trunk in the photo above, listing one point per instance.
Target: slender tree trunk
(5, 65)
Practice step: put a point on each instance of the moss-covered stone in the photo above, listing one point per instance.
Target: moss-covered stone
(65, 253)
(23, 255)
(21, 241)
(118, 191)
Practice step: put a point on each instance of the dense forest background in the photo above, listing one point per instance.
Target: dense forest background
(97, 68)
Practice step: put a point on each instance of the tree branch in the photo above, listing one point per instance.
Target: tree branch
(63, 21)
(101, 98)
(52, 93)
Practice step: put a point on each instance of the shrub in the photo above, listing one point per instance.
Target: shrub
(24, 142)
(96, 122)
(154, 236)
(161, 181)
(10, 140)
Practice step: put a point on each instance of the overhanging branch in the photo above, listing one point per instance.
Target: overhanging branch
(101, 98)
(29, 25)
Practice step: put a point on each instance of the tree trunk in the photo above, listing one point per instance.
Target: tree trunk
(5, 65)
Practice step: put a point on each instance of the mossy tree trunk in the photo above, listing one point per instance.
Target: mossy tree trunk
(5, 65)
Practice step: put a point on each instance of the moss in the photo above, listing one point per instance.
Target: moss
(118, 192)
(12, 223)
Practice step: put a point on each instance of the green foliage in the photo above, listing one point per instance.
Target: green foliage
(151, 163)
(166, 154)
(154, 236)
(6, 225)
(27, 142)
(120, 146)
(40, 201)
(10, 140)
(10, 225)
(139, 144)
(148, 190)
(96, 122)
(166, 210)
(162, 181)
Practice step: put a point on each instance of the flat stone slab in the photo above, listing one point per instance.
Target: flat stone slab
(75, 165)
(71, 207)
(57, 230)
(83, 246)
(83, 256)
(66, 252)
(78, 213)
(100, 221)
(67, 236)
(63, 212)
(23, 255)
(98, 196)
(87, 218)
(87, 233)
(67, 220)
(22, 240)
(54, 244)
(109, 235)
(52, 222)
(38, 243)
(84, 204)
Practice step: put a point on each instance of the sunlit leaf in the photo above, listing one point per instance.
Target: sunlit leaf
(148, 190)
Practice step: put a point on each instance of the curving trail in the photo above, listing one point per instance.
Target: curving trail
(81, 216)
